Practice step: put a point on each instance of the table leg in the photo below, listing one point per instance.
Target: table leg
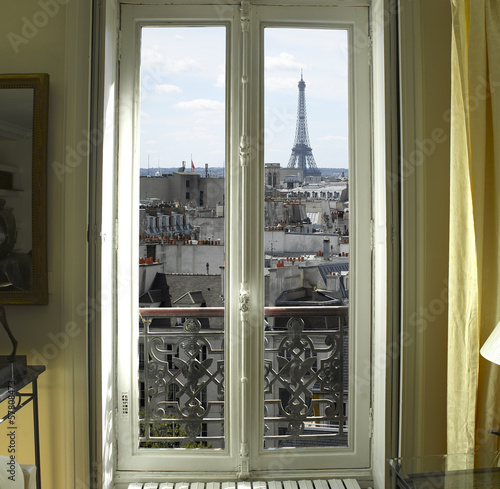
(36, 434)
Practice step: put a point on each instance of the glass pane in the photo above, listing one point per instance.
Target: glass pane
(306, 238)
(181, 243)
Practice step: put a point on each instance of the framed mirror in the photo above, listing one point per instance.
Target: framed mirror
(24, 102)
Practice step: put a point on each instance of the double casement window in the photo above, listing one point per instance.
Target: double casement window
(244, 331)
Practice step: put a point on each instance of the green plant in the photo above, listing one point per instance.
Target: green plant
(167, 429)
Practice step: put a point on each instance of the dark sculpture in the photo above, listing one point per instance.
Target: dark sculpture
(15, 268)
(3, 319)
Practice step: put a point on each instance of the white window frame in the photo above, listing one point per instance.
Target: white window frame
(107, 77)
(246, 274)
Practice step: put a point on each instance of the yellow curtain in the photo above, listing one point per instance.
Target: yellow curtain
(474, 275)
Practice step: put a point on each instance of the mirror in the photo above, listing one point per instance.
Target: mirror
(23, 176)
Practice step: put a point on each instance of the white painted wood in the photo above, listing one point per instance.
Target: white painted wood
(291, 3)
(306, 484)
(72, 295)
(361, 199)
(259, 485)
(245, 295)
(320, 484)
(351, 484)
(130, 458)
(127, 255)
(213, 485)
(274, 485)
(386, 85)
(197, 485)
(240, 231)
(245, 485)
(290, 484)
(335, 484)
(102, 211)
(412, 235)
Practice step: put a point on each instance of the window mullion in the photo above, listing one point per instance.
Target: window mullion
(254, 256)
(246, 156)
(236, 291)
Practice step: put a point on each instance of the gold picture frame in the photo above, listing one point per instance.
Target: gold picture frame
(24, 103)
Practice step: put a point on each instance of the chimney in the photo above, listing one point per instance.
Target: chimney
(326, 248)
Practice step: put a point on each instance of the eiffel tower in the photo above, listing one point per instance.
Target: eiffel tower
(302, 156)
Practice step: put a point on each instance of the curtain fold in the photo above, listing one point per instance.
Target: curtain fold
(473, 406)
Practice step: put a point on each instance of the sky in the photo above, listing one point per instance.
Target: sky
(183, 95)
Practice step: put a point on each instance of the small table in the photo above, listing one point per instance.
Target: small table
(28, 376)
(455, 471)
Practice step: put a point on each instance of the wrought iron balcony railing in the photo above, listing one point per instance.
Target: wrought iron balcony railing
(182, 377)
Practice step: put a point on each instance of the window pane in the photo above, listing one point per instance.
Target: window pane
(182, 153)
(306, 237)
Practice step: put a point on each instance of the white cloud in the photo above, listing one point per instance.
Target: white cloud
(282, 83)
(210, 119)
(155, 59)
(221, 80)
(195, 134)
(333, 138)
(181, 135)
(151, 57)
(182, 65)
(282, 61)
(167, 88)
(200, 104)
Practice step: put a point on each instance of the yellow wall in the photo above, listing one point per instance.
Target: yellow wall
(436, 52)
(46, 333)
(426, 139)
(62, 420)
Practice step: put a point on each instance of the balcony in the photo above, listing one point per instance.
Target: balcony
(305, 370)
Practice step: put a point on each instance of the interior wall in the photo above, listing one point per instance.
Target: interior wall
(436, 54)
(423, 410)
(36, 39)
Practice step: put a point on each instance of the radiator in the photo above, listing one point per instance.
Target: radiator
(301, 484)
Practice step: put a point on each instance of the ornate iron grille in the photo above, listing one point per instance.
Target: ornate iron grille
(305, 378)
(306, 381)
(182, 404)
